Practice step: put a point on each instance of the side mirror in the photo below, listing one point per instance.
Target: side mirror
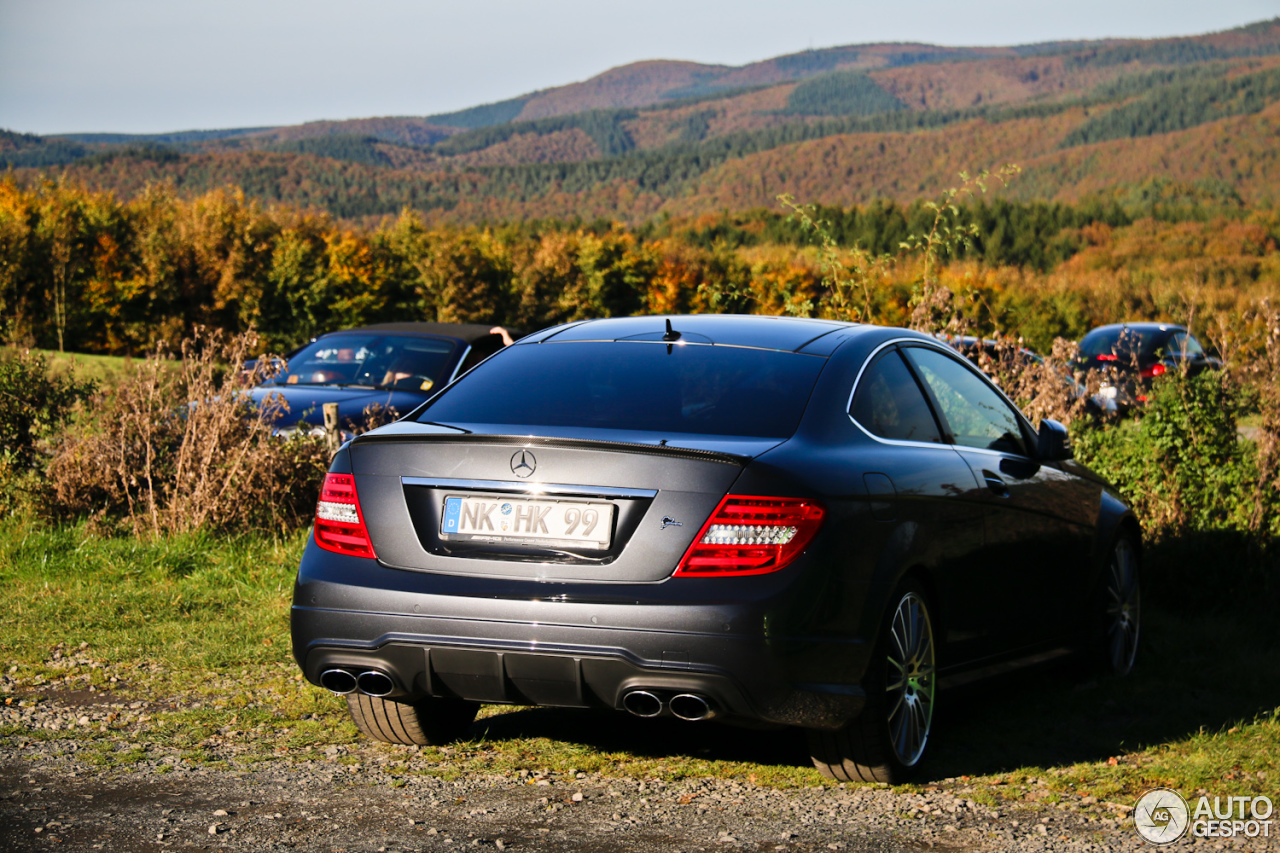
(1054, 442)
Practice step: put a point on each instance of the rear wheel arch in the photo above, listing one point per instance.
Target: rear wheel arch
(937, 612)
(887, 740)
(1129, 525)
(879, 601)
(1114, 517)
(1114, 619)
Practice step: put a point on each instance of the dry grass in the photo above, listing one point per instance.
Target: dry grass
(178, 446)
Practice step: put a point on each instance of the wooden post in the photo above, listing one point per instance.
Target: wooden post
(332, 433)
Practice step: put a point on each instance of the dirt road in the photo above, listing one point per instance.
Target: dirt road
(52, 798)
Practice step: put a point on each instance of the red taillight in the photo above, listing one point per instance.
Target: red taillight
(1153, 371)
(1108, 358)
(749, 535)
(339, 523)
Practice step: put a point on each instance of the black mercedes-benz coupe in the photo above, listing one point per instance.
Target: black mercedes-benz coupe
(759, 519)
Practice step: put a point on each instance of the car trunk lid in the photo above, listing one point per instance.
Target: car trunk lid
(598, 506)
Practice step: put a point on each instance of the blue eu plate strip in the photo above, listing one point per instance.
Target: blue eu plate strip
(452, 510)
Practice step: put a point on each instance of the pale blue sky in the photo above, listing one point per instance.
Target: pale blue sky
(146, 66)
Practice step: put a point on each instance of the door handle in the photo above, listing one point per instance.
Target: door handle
(995, 484)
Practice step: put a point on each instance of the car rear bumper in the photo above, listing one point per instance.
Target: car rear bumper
(516, 642)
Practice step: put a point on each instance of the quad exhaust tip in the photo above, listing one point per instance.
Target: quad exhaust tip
(371, 683)
(685, 706)
(692, 707)
(338, 681)
(642, 703)
(374, 683)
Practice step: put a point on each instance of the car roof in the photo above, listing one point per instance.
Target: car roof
(468, 332)
(1140, 327)
(791, 334)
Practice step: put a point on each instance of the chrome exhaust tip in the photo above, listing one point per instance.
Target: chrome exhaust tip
(692, 707)
(374, 683)
(338, 681)
(642, 703)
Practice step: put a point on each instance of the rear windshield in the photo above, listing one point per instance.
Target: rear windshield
(1122, 342)
(695, 388)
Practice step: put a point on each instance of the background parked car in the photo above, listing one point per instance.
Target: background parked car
(974, 348)
(395, 365)
(1133, 354)
(766, 520)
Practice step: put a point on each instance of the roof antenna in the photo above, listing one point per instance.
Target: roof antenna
(672, 334)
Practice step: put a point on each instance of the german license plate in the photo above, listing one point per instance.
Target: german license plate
(498, 518)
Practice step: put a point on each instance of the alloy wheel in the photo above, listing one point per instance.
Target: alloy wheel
(911, 679)
(1123, 608)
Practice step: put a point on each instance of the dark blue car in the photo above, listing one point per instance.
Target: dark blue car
(395, 365)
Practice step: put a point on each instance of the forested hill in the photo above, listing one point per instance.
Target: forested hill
(841, 125)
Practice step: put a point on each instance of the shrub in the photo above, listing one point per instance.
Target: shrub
(34, 405)
(1211, 520)
(174, 450)
(1263, 374)
(1182, 466)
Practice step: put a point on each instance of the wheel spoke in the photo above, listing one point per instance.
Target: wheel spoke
(917, 628)
(922, 728)
(900, 676)
(905, 630)
(896, 635)
(898, 730)
(897, 705)
(904, 733)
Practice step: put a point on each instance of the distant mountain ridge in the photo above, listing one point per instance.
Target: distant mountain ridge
(636, 84)
(649, 82)
(830, 124)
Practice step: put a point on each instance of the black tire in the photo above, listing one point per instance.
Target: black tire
(427, 722)
(1118, 609)
(887, 741)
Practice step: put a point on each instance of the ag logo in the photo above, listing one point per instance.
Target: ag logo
(1161, 816)
(523, 464)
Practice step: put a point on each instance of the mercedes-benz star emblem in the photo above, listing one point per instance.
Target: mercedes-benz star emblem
(523, 464)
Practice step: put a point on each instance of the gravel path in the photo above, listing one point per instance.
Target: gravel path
(54, 797)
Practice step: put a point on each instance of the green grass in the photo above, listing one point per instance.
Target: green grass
(106, 370)
(183, 605)
(196, 628)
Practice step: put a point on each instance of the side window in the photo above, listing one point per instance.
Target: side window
(1193, 348)
(890, 404)
(974, 412)
(1175, 347)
